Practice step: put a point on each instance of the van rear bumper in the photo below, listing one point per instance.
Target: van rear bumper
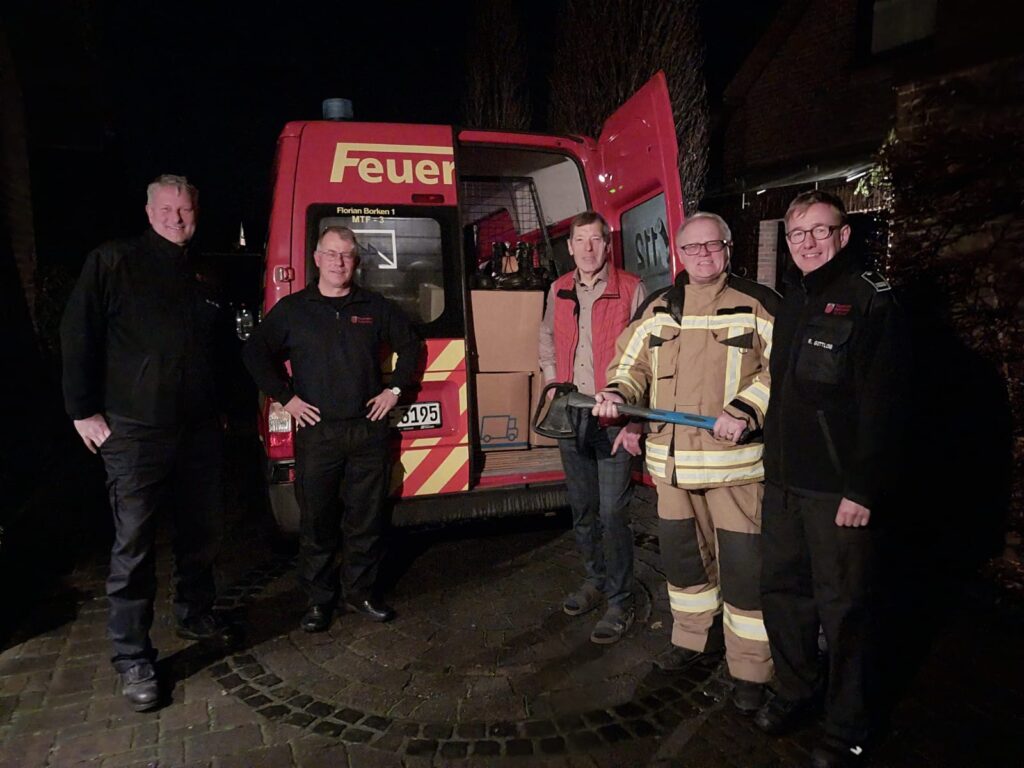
(507, 501)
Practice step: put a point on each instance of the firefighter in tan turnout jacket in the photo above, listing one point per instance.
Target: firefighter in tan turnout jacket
(702, 346)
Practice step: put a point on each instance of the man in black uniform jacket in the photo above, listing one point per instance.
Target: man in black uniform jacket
(139, 348)
(839, 377)
(333, 332)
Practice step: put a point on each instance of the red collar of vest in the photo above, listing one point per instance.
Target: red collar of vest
(611, 289)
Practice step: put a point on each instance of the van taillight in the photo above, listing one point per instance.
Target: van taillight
(279, 420)
(279, 433)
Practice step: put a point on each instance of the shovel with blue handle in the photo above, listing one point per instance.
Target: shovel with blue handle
(579, 400)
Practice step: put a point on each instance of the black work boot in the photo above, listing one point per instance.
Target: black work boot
(676, 659)
(316, 619)
(747, 697)
(372, 609)
(780, 715)
(140, 686)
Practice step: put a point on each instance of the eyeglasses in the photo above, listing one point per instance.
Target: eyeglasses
(820, 232)
(336, 256)
(711, 246)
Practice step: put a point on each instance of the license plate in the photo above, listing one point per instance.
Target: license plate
(420, 416)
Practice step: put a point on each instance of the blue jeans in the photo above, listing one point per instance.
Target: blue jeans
(600, 492)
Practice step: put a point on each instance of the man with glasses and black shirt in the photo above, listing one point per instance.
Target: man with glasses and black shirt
(839, 378)
(702, 346)
(333, 332)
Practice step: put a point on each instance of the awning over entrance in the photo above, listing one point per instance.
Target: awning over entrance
(848, 170)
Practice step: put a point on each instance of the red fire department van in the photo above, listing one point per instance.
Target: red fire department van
(427, 202)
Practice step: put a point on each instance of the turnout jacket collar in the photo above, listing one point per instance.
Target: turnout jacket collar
(675, 297)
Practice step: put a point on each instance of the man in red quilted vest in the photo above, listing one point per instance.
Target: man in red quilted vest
(586, 311)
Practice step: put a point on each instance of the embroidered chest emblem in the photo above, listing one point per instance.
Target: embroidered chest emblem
(358, 320)
(837, 309)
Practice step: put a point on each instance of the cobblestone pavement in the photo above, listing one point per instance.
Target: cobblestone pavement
(480, 668)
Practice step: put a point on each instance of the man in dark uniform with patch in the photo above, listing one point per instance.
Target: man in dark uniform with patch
(839, 371)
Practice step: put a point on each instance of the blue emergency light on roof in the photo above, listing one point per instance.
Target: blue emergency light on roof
(337, 109)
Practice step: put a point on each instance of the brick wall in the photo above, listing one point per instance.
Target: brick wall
(768, 247)
(811, 99)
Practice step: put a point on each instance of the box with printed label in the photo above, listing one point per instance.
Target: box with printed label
(503, 410)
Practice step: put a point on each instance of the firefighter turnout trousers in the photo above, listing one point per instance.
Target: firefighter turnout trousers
(711, 552)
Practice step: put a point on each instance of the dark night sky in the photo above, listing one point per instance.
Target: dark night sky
(203, 89)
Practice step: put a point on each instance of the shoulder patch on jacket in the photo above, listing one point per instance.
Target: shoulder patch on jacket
(765, 296)
(876, 281)
(648, 301)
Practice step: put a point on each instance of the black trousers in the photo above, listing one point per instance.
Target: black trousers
(346, 460)
(815, 572)
(151, 470)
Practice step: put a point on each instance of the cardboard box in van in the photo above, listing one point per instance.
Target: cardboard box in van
(506, 326)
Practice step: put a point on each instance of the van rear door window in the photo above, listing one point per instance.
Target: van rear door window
(646, 243)
(401, 254)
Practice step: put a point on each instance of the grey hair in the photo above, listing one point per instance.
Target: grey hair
(343, 232)
(179, 183)
(722, 226)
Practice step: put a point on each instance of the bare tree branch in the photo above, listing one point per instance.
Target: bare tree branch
(497, 94)
(607, 49)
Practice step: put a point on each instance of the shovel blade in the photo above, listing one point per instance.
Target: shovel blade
(551, 419)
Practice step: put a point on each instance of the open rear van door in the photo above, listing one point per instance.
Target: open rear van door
(635, 182)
